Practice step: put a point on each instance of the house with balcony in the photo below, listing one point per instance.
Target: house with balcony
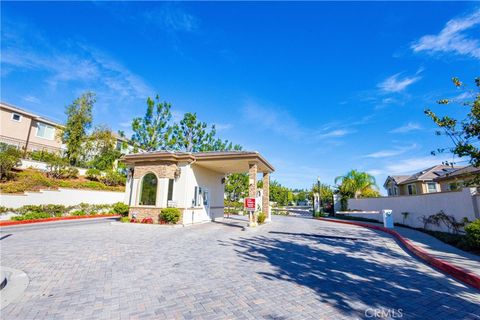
(29, 131)
(421, 182)
(32, 132)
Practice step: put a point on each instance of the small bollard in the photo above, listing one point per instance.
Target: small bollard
(387, 218)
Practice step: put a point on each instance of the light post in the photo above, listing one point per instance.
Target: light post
(319, 195)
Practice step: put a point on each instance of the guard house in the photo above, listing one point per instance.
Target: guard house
(192, 182)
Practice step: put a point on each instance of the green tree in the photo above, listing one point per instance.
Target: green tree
(465, 134)
(191, 135)
(9, 158)
(79, 120)
(236, 186)
(102, 144)
(326, 193)
(152, 132)
(354, 183)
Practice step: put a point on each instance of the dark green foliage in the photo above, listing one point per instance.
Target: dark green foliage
(121, 209)
(78, 213)
(170, 215)
(9, 158)
(473, 234)
(236, 186)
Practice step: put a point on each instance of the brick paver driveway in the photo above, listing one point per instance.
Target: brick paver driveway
(293, 268)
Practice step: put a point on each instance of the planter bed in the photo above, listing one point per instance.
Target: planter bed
(11, 223)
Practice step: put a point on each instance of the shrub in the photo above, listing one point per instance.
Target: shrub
(52, 209)
(78, 213)
(58, 168)
(9, 158)
(113, 178)
(42, 155)
(121, 209)
(473, 234)
(170, 215)
(124, 219)
(32, 216)
(93, 174)
(261, 218)
(5, 209)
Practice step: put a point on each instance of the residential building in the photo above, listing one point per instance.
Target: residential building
(29, 131)
(418, 183)
(457, 179)
(191, 182)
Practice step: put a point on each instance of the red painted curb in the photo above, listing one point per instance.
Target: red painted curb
(12, 223)
(455, 271)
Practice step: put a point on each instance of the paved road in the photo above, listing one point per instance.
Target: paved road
(292, 268)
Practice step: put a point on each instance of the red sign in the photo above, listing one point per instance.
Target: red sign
(250, 204)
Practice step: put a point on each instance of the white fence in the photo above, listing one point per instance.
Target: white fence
(66, 197)
(460, 204)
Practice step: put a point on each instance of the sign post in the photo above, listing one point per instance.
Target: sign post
(250, 205)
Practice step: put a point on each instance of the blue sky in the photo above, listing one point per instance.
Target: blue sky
(317, 88)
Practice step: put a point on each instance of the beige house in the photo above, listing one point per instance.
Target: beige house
(28, 131)
(457, 179)
(192, 182)
(419, 183)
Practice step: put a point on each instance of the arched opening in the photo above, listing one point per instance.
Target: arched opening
(148, 193)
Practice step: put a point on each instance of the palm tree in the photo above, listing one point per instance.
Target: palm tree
(355, 182)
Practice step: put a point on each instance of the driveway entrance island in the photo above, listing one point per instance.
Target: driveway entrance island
(291, 268)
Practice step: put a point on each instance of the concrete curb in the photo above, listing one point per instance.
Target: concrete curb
(23, 222)
(457, 272)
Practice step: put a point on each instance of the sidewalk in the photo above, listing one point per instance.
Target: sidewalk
(436, 248)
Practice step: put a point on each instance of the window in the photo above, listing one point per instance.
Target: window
(45, 131)
(16, 117)
(170, 190)
(412, 189)
(148, 193)
(455, 186)
(431, 187)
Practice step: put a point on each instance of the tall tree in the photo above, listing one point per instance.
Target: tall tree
(354, 183)
(102, 144)
(465, 134)
(79, 120)
(191, 135)
(236, 186)
(152, 132)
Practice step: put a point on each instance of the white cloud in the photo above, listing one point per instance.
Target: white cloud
(172, 17)
(409, 165)
(223, 126)
(390, 152)
(452, 38)
(396, 83)
(32, 99)
(335, 133)
(411, 126)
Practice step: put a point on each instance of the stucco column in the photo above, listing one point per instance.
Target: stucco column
(252, 190)
(266, 196)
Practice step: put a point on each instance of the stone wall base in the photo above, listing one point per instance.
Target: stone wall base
(152, 212)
